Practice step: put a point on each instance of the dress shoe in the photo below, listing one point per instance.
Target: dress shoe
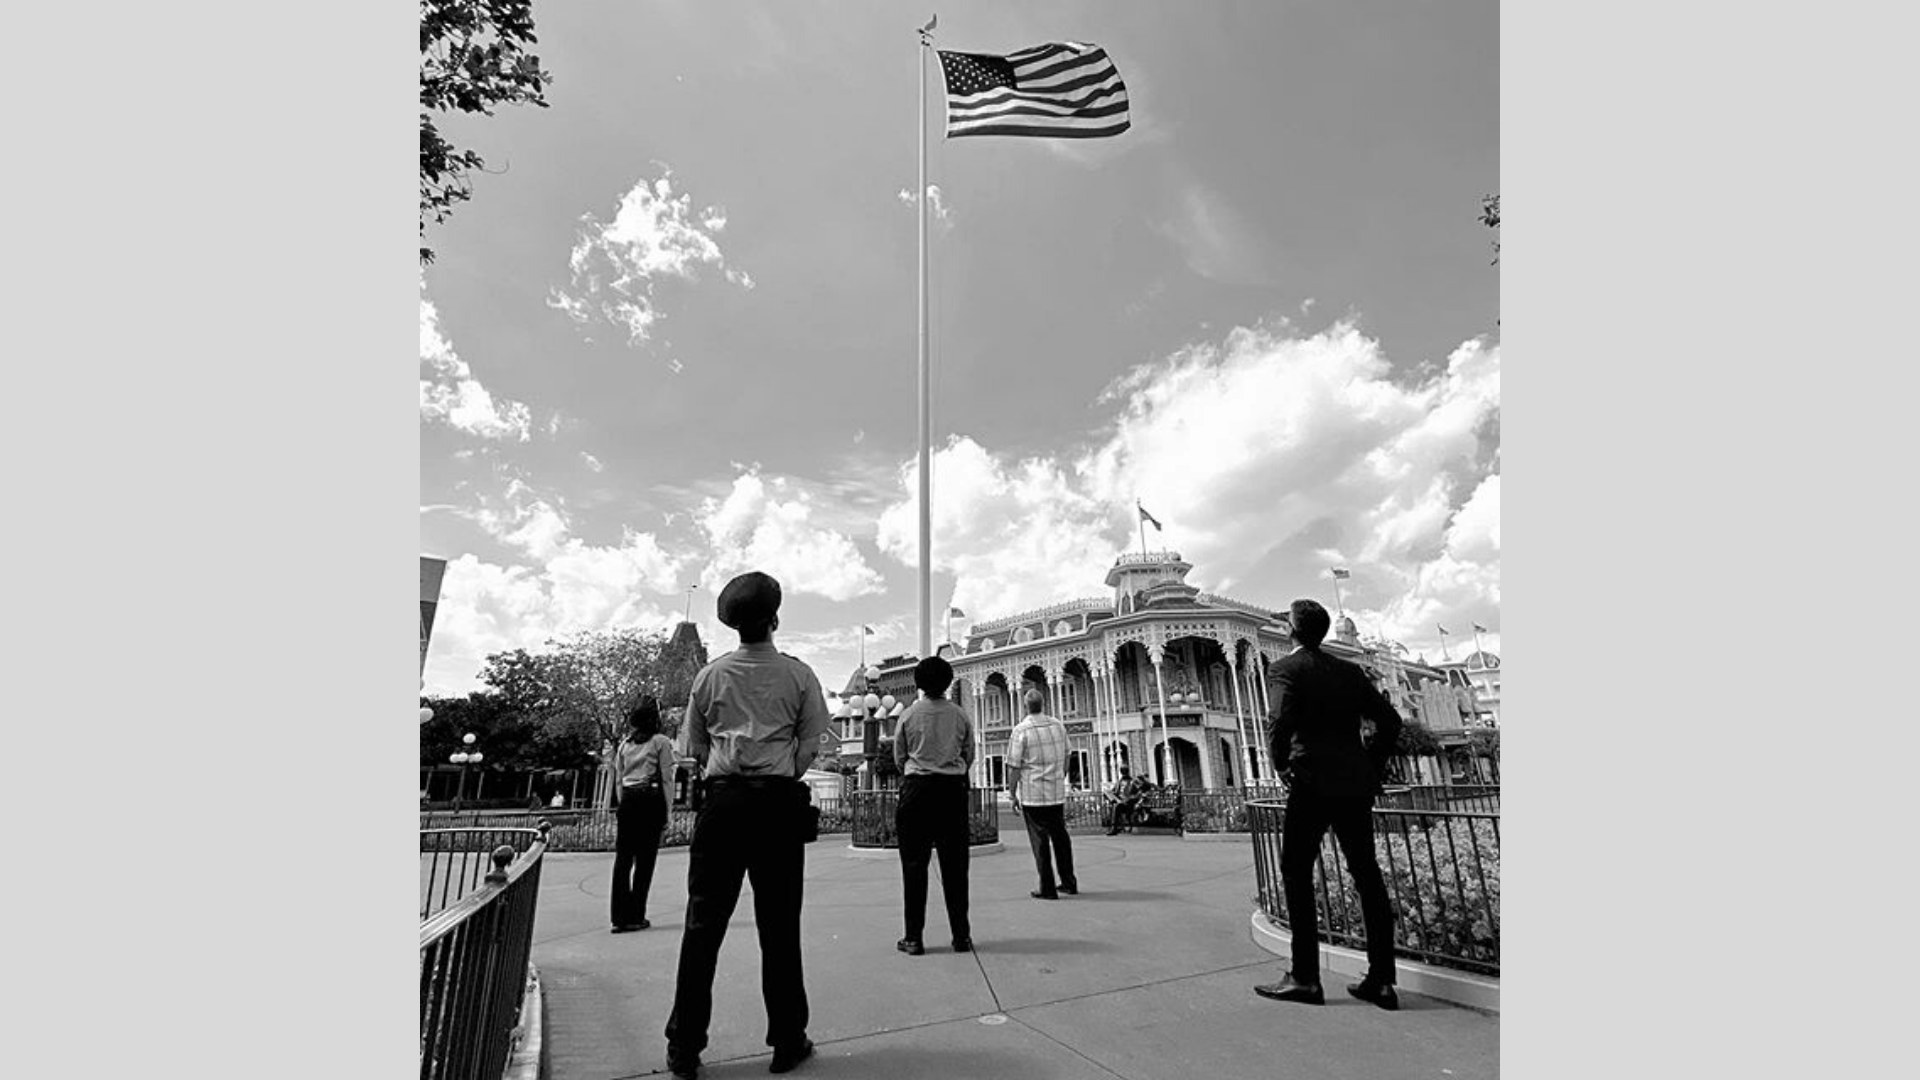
(1289, 990)
(963, 944)
(910, 946)
(1070, 890)
(628, 928)
(1381, 994)
(683, 1064)
(785, 1059)
(1038, 895)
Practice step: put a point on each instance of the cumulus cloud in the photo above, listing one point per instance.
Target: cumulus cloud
(488, 607)
(769, 525)
(449, 394)
(1270, 456)
(557, 584)
(615, 265)
(942, 213)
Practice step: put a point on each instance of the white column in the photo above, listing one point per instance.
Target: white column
(1258, 672)
(1242, 766)
(1165, 757)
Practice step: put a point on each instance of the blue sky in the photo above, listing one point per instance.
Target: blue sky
(671, 337)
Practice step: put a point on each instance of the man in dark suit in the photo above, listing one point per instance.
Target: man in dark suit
(1319, 702)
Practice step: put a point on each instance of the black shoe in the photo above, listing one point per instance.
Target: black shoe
(788, 1058)
(963, 944)
(1038, 895)
(910, 946)
(628, 928)
(1289, 990)
(1070, 890)
(1381, 994)
(683, 1064)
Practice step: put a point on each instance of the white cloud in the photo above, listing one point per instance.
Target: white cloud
(449, 393)
(1269, 457)
(615, 265)
(592, 462)
(561, 584)
(942, 213)
(768, 526)
(488, 607)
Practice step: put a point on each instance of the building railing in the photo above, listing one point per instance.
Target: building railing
(872, 817)
(1442, 871)
(1083, 606)
(473, 963)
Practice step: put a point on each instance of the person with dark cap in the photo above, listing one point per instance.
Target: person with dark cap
(754, 720)
(641, 766)
(933, 747)
(1319, 702)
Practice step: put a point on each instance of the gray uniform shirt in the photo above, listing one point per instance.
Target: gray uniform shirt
(935, 736)
(756, 712)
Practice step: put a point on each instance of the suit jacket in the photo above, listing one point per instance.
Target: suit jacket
(1318, 703)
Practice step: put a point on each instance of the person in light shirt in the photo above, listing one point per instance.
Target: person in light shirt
(934, 750)
(1037, 778)
(754, 721)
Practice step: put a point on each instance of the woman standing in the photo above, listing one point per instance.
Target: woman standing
(641, 767)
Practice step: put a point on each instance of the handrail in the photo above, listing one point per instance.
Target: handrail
(474, 959)
(507, 870)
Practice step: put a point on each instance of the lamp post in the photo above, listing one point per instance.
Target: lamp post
(466, 758)
(870, 707)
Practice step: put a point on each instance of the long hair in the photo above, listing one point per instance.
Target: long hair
(644, 718)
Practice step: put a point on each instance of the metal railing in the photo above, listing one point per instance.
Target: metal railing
(872, 817)
(473, 964)
(455, 862)
(1442, 871)
(596, 830)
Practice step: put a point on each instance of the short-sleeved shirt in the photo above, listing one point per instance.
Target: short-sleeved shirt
(753, 710)
(649, 761)
(1038, 747)
(934, 736)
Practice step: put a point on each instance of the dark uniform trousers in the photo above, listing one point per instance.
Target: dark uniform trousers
(639, 821)
(1308, 816)
(1047, 833)
(933, 816)
(747, 827)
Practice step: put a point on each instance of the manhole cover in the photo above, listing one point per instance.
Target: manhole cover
(993, 1018)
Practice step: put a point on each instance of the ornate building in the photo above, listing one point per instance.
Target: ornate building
(1156, 667)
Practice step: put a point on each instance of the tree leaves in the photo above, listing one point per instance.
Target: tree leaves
(473, 57)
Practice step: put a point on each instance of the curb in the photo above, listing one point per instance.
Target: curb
(974, 851)
(1217, 837)
(1456, 987)
(529, 1058)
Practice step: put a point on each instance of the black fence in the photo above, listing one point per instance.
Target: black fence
(455, 861)
(872, 814)
(1442, 871)
(595, 830)
(473, 959)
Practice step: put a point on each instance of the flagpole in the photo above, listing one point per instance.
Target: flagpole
(1337, 605)
(1141, 520)
(926, 382)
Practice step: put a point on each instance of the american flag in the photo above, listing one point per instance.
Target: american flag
(1340, 573)
(1063, 90)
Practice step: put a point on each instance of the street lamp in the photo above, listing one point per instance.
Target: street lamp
(870, 707)
(466, 758)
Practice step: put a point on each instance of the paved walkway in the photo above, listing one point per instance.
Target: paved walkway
(1147, 974)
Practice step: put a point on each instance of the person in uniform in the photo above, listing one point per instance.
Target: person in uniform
(933, 749)
(753, 723)
(642, 761)
(1318, 703)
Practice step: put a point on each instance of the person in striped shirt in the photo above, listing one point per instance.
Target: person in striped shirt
(1036, 767)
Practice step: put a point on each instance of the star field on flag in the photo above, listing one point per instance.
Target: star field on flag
(1063, 90)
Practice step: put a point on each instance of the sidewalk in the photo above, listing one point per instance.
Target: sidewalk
(1147, 975)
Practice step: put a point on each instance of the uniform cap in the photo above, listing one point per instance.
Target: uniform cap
(751, 599)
